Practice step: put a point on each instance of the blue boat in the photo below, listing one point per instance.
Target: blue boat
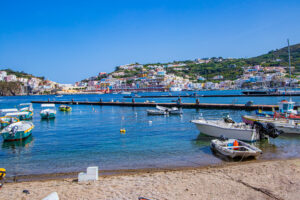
(17, 131)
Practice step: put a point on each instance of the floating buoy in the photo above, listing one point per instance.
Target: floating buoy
(123, 130)
(150, 122)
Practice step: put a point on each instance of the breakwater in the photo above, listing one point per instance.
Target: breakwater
(153, 104)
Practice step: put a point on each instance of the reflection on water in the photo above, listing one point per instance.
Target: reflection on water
(17, 146)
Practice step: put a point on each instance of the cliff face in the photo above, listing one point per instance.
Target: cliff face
(10, 88)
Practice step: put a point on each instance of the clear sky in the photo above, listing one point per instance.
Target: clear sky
(67, 41)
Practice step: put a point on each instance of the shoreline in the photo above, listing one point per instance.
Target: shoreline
(122, 172)
(263, 179)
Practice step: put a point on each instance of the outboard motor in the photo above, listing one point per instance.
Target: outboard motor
(272, 130)
(266, 129)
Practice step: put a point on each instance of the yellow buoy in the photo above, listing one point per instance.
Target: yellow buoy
(2, 173)
(122, 130)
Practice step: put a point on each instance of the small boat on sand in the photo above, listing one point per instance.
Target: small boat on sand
(65, 108)
(48, 112)
(17, 131)
(235, 148)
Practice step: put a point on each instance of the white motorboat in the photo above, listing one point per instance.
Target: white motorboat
(235, 148)
(217, 128)
(171, 111)
(157, 112)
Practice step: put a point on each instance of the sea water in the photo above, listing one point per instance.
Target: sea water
(90, 135)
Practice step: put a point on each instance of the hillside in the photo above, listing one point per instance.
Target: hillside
(278, 57)
(20, 74)
(230, 69)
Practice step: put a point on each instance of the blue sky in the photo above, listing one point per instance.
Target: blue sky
(67, 41)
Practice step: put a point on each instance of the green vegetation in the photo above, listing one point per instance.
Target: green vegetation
(230, 69)
(21, 74)
(278, 57)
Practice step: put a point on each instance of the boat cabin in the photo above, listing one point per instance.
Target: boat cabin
(287, 107)
(48, 105)
(25, 107)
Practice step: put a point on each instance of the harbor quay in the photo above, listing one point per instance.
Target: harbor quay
(196, 105)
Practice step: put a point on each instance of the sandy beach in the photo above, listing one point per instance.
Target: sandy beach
(277, 179)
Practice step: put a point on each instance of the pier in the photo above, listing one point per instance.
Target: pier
(196, 105)
(217, 95)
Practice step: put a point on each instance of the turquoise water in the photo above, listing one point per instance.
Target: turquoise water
(90, 135)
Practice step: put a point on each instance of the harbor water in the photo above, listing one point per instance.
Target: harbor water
(90, 135)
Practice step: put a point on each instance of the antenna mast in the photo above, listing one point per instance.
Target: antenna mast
(288, 41)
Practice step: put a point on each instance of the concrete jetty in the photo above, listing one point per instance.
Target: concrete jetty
(196, 105)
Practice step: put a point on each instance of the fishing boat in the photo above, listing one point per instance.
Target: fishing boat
(48, 111)
(17, 131)
(227, 128)
(287, 126)
(65, 108)
(25, 107)
(7, 120)
(235, 148)
(23, 115)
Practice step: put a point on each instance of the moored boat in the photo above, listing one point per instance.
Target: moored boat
(217, 128)
(65, 108)
(17, 131)
(4, 111)
(287, 126)
(156, 112)
(7, 120)
(235, 148)
(25, 107)
(171, 111)
(48, 112)
(23, 115)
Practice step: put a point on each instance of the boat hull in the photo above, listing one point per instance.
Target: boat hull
(231, 152)
(217, 131)
(47, 115)
(19, 135)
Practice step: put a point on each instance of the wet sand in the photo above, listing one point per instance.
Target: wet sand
(276, 179)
